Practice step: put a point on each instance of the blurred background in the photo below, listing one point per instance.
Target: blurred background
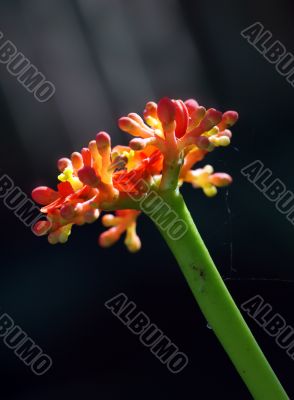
(107, 58)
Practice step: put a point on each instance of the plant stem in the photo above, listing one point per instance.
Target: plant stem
(219, 308)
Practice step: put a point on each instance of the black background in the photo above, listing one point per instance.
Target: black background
(107, 58)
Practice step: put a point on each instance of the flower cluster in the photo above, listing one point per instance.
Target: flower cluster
(171, 139)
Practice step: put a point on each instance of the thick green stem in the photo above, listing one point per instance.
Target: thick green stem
(219, 308)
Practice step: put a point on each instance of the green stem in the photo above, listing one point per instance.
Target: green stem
(219, 308)
(170, 173)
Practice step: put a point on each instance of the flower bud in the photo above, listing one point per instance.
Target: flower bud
(91, 215)
(191, 105)
(137, 144)
(41, 228)
(150, 110)
(229, 119)
(87, 159)
(67, 211)
(109, 237)
(77, 160)
(44, 195)
(103, 140)
(211, 118)
(166, 111)
(132, 241)
(63, 163)
(181, 117)
(210, 191)
(203, 143)
(220, 179)
(88, 176)
(109, 220)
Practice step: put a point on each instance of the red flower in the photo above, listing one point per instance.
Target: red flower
(174, 136)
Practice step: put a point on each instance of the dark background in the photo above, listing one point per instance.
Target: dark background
(107, 58)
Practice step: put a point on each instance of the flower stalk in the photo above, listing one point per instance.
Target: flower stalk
(219, 308)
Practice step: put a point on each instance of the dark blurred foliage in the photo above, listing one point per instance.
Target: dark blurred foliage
(107, 58)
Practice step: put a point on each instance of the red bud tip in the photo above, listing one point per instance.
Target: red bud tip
(191, 105)
(41, 228)
(87, 158)
(77, 160)
(88, 176)
(109, 237)
(150, 110)
(137, 144)
(181, 117)
(44, 195)
(63, 163)
(67, 211)
(136, 117)
(166, 111)
(126, 124)
(212, 118)
(220, 179)
(103, 140)
(132, 127)
(230, 118)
